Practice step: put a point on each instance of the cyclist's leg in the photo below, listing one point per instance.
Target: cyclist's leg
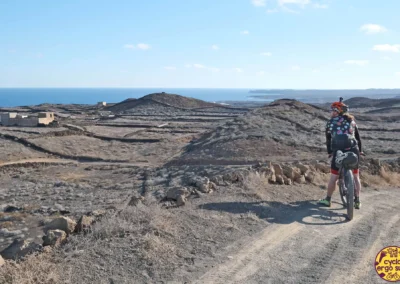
(332, 183)
(357, 181)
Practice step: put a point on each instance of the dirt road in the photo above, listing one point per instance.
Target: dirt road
(311, 244)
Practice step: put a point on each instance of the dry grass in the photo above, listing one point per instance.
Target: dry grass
(14, 216)
(6, 225)
(33, 270)
(383, 179)
(255, 184)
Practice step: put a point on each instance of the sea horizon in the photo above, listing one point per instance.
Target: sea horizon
(24, 96)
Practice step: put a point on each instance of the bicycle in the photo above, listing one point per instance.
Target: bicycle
(346, 162)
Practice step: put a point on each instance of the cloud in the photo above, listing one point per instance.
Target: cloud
(387, 58)
(373, 29)
(294, 2)
(203, 67)
(239, 70)
(169, 67)
(320, 6)
(258, 3)
(245, 32)
(315, 70)
(357, 62)
(260, 73)
(142, 46)
(266, 53)
(387, 47)
(199, 66)
(397, 74)
(215, 47)
(295, 68)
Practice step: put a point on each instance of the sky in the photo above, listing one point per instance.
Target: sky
(300, 44)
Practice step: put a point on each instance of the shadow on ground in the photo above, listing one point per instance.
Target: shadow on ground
(305, 212)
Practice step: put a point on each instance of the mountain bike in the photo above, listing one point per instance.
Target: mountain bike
(346, 162)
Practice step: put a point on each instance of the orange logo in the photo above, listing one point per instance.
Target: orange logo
(387, 264)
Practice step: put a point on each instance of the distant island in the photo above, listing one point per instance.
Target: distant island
(312, 92)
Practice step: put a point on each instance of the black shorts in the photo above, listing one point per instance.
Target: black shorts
(335, 169)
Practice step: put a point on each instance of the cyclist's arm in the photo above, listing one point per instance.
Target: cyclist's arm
(358, 138)
(328, 141)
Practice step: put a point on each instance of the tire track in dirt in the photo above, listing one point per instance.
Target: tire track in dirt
(247, 260)
(324, 252)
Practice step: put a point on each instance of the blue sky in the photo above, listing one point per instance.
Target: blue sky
(200, 43)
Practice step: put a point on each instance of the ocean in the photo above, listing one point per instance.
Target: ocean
(10, 97)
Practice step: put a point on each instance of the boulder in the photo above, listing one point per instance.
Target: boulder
(279, 179)
(309, 176)
(181, 201)
(301, 180)
(19, 249)
(287, 180)
(54, 238)
(84, 223)
(62, 223)
(2, 262)
(176, 192)
(303, 168)
(323, 168)
(278, 169)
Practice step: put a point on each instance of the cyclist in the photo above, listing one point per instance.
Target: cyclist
(342, 134)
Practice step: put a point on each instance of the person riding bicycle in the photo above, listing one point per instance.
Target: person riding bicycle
(342, 134)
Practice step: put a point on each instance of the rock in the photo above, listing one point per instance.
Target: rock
(278, 169)
(181, 201)
(84, 223)
(62, 223)
(309, 176)
(213, 186)
(301, 180)
(303, 168)
(279, 179)
(2, 262)
(19, 249)
(218, 180)
(288, 171)
(12, 208)
(135, 200)
(287, 180)
(54, 238)
(272, 178)
(97, 213)
(323, 168)
(175, 192)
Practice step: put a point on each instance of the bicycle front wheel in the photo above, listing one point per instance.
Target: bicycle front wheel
(349, 182)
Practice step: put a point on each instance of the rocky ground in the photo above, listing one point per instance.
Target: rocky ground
(160, 188)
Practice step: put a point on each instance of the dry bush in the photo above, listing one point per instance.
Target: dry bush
(391, 178)
(383, 179)
(34, 269)
(254, 184)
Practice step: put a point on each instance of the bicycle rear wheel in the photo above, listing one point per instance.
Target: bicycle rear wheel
(342, 188)
(349, 183)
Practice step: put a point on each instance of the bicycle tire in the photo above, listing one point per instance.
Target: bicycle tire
(349, 182)
(341, 189)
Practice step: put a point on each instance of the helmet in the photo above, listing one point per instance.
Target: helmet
(339, 106)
